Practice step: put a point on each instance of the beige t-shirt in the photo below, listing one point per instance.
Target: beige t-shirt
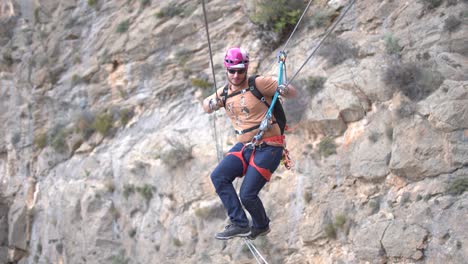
(246, 111)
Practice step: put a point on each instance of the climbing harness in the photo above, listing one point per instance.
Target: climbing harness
(267, 120)
(278, 113)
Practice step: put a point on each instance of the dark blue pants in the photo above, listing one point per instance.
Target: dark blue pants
(265, 156)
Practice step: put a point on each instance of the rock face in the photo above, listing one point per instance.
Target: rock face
(105, 152)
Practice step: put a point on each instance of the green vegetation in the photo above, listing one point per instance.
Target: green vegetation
(391, 45)
(177, 242)
(452, 23)
(374, 136)
(336, 50)
(279, 16)
(201, 83)
(320, 18)
(413, 80)
(169, 11)
(132, 232)
(144, 3)
(340, 220)
(125, 116)
(128, 189)
(103, 123)
(315, 84)
(431, 4)
(76, 79)
(458, 186)
(389, 132)
(40, 141)
(84, 124)
(177, 155)
(330, 230)
(58, 140)
(146, 191)
(123, 26)
(327, 147)
(202, 212)
(92, 2)
(120, 259)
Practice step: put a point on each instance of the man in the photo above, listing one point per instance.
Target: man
(254, 161)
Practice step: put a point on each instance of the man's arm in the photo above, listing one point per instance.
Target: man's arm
(212, 103)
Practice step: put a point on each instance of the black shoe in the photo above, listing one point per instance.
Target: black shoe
(233, 230)
(255, 232)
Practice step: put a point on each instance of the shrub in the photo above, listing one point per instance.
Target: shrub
(330, 230)
(132, 232)
(120, 259)
(414, 81)
(340, 220)
(92, 2)
(146, 191)
(279, 16)
(315, 84)
(391, 45)
(389, 132)
(103, 123)
(58, 140)
(123, 26)
(125, 115)
(177, 242)
(374, 136)
(40, 141)
(178, 154)
(76, 79)
(452, 23)
(84, 124)
(128, 189)
(458, 186)
(327, 147)
(336, 50)
(201, 83)
(431, 4)
(320, 18)
(144, 3)
(169, 12)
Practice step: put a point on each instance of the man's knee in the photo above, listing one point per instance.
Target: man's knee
(247, 197)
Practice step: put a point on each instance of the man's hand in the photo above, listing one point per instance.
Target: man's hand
(283, 90)
(213, 104)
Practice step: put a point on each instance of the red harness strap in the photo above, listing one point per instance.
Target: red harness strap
(239, 155)
(264, 172)
(280, 140)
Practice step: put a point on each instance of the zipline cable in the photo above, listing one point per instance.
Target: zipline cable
(329, 31)
(253, 249)
(219, 153)
(294, 31)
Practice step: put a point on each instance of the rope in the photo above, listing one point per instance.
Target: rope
(258, 257)
(294, 31)
(329, 31)
(297, 25)
(219, 153)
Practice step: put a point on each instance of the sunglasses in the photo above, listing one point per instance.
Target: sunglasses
(240, 71)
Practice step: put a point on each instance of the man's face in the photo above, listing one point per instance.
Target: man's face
(236, 76)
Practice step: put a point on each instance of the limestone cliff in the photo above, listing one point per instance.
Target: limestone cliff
(105, 152)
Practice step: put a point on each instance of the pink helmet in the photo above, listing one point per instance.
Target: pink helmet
(236, 58)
